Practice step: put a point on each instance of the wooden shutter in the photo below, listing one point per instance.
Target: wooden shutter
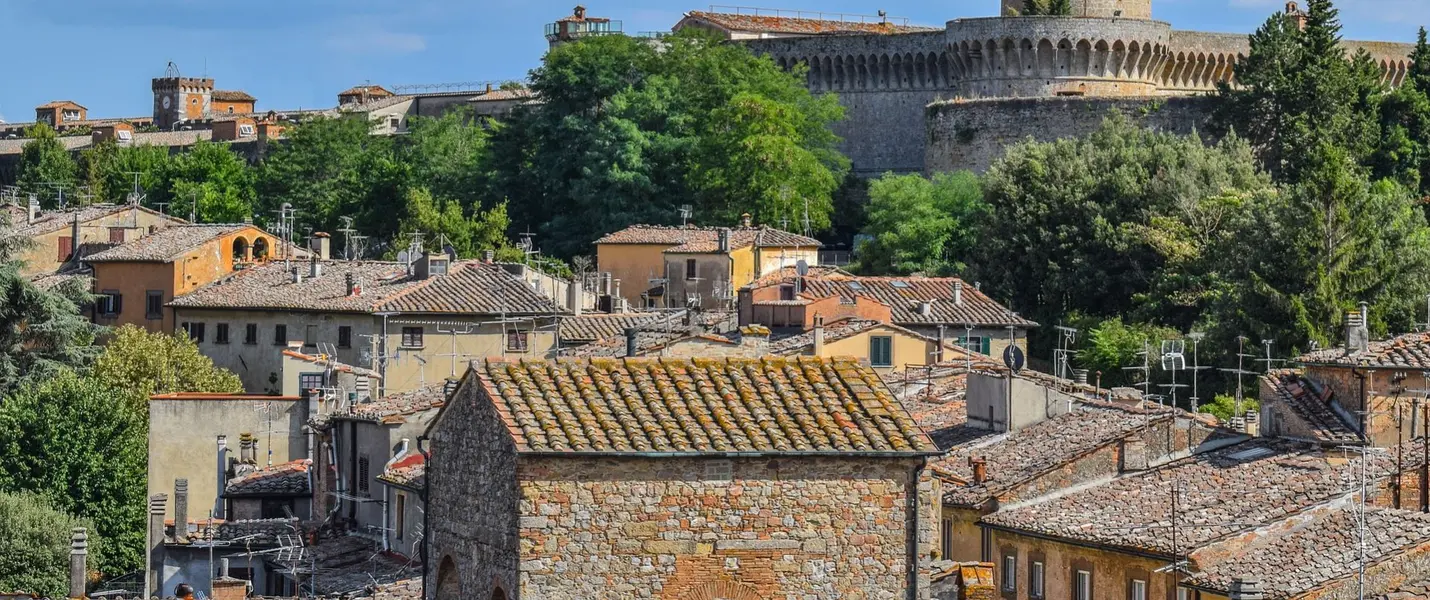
(66, 248)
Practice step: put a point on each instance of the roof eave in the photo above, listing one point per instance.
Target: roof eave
(756, 454)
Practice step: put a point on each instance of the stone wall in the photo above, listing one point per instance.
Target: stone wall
(972, 134)
(680, 528)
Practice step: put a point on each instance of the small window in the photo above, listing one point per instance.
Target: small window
(395, 122)
(110, 303)
(66, 247)
(856, 286)
(690, 268)
(974, 343)
(363, 487)
(517, 341)
(903, 285)
(945, 541)
(345, 336)
(274, 508)
(310, 335)
(1082, 585)
(196, 331)
(1137, 590)
(250, 334)
(280, 335)
(221, 333)
(307, 382)
(786, 292)
(245, 129)
(124, 135)
(400, 523)
(1035, 579)
(116, 235)
(154, 304)
(411, 337)
(1010, 573)
(881, 351)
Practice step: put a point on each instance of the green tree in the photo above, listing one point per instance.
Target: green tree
(1092, 225)
(41, 333)
(45, 166)
(627, 132)
(1404, 151)
(448, 156)
(328, 168)
(109, 169)
(79, 444)
(141, 363)
(469, 236)
(1224, 407)
(921, 225)
(35, 545)
(1112, 344)
(1047, 7)
(210, 182)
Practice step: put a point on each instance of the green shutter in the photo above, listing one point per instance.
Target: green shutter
(986, 342)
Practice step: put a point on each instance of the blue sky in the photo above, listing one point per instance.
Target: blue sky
(300, 53)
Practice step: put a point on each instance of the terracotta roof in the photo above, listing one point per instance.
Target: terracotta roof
(783, 273)
(337, 366)
(705, 239)
(903, 295)
(498, 95)
(59, 104)
(55, 220)
(232, 96)
(1409, 351)
(592, 327)
(471, 287)
(802, 26)
(407, 472)
(1223, 492)
(699, 406)
(1311, 402)
(266, 531)
(1303, 553)
(394, 406)
(51, 281)
(370, 90)
(351, 566)
(647, 342)
(166, 244)
(270, 286)
(1018, 457)
(287, 479)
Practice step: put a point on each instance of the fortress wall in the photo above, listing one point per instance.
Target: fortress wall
(883, 81)
(971, 134)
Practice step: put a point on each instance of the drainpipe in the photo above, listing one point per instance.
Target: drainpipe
(911, 526)
(357, 485)
(1364, 407)
(426, 493)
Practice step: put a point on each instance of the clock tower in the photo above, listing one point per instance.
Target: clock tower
(178, 98)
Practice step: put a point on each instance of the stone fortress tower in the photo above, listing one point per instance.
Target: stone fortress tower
(932, 100)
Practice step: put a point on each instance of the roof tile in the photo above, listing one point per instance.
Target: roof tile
(166, 244)
(796, 25)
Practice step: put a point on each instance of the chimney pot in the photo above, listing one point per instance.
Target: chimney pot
(818, 335)
(222, 474)
(321, 245)
(958, 293)
(181, 510)
(449, 387)
(489, 256)
(1246, 588)
(34, 209)
(632, 347)
(925, 308)
(980, 470)
(1357, 331)
(79, 553)
(746, 220)
(352, 285)
(315, 267)
(723, 238)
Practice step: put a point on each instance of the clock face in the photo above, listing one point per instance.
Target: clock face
(166, 102)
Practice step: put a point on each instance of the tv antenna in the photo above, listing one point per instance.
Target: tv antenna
(1240, 370)
(685, 212)
(136, 195)
(1196, 368)
(454, 332)
(1145, 370)
(1174, 359)
(1270, 362)
(1066, 342)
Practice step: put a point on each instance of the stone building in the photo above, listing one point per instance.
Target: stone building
(926, 99)
(97, 227)
(677, 479)
(411, 324)
(676, 267)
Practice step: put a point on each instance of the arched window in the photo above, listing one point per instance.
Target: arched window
(260, 248)
(240, 250)
(449, 582)
(499, 594)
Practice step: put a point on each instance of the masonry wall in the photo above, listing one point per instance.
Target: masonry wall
(633, 265)
(972, 134)
(1383, 424)
(410, 368)
(260, 364)
(43, 255)
(1111, 571)
(776, 528)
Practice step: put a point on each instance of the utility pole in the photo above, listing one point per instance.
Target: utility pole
(1196, 337)
(1146, 370)
(1173, 359)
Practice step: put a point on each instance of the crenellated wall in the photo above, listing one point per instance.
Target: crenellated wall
(1038, 57)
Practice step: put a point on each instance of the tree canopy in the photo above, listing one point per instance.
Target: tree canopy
(35, 545)
(141, 363)
(45, 166)
(920, 225)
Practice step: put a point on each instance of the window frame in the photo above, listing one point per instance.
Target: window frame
(399, 524)
(244, 130)
(310, 336)
(150, 297)
(280, 334)
(1037, 579)
(1010, 573)
(523, 339)
(888, 342)
(364, 471)
(1132, 589)
(345, 336)
(1082, 583)
(195, 329)
(304, 384)
(692, 269)
(110, 304)
(221, 333)
(945, 542)
(413, 337)
(250, 334)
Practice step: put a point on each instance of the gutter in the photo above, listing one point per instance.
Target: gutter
(426, 489)
(911, 529)
(818, 454)
(1364, 407)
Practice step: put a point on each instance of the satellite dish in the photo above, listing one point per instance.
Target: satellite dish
(450, 252)
(802, 268)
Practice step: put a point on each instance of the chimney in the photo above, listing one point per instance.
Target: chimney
(755, 340)
(958, 292)
(79, 551)
(297, 275)
(1246, 588)
(431, 265)
(819, 335)
(354, 287)
(222, 475)
(1357, 333)
(489, 87)
(156, 542)
(315, 267)
(321, 245)
(449, 386)
(248, 449)
(34, 211)
(942, 342)
(925, 308)
(489, 256)
(604, 286)
(632, 347)
(746, 221)
(723, 238)
(980, 470)
(574, 297)
(181, 510)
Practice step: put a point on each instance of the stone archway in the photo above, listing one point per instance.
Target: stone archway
(449, 581)
(722, 590)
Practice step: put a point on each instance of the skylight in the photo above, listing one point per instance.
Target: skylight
(1251, 453)
(903, 285)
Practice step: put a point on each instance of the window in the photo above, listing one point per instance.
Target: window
(245, 129)
(310, 335)
(400, 523)
(154, 304)
(1035, 579)
(362, 476)
(196, 331)
(945, 534)
(230, 110)
(881, 351)
(280, 335)
(786, 292)
(307, 382)
(974, 343)
(1137, 590)
(124, 135)
(116, 235)
(66, 247)
(395, 122)
(411, 337)
(1010, 573)
(516, 341)
(250, 334)
(273, 508)
(110, 303)
(221, 333)
(345, 336)
(690, 268)
(903, 285)
(1082, 585)
(1184, 594)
